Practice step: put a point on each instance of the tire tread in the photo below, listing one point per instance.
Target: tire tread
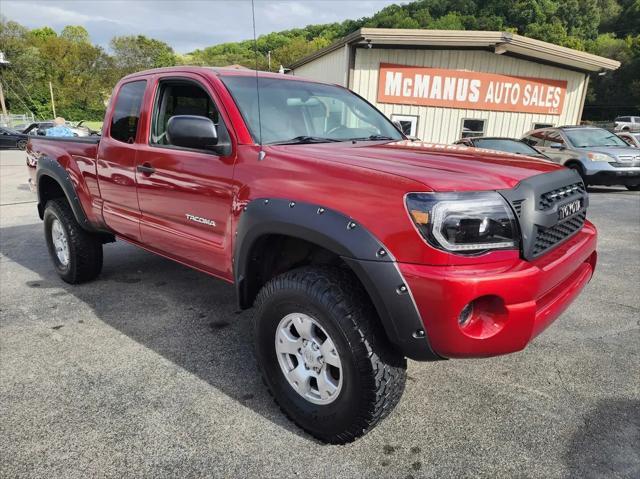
(383, 368)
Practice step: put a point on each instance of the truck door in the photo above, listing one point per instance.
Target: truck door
(117, 161)
(186, 194)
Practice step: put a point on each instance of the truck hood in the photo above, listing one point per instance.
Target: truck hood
(438, 167)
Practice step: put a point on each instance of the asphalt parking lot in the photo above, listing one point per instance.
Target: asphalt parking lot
(148, 372)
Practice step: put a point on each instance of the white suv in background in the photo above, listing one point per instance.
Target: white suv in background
(627, 123)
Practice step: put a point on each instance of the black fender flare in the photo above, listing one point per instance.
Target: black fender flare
(54, 170)
(370, 260)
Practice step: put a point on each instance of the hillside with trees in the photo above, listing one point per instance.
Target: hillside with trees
(83, 74)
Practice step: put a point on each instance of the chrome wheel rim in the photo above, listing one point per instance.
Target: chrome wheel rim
(308, 358)
(60, 243)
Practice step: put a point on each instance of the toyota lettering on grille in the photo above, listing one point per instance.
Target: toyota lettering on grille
(569, 209)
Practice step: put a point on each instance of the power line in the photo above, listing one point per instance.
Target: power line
(21, 84)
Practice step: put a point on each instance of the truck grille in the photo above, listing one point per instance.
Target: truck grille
(550, 208)
(547, 238)
(553, 197)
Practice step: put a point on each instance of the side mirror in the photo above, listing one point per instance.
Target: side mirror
(557, 146)
(190, 131)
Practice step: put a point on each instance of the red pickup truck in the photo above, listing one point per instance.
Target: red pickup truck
(358, 247)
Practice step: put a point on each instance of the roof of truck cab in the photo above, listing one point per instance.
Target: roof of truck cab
(217, 71)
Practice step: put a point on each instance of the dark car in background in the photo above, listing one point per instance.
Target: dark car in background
(10, 138)
(38, 128)
(509, 145)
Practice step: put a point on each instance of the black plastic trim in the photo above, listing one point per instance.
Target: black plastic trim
(53, 169)
(370, 260)
(91, 139)
(613, 178)
(525, 196)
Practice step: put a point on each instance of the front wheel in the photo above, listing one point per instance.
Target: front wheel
(577, 168)
(76, 253)
(633, 187)
(21, 144)
(323, 354)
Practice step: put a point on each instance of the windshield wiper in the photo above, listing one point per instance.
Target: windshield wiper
(305, 139)
(372, 138)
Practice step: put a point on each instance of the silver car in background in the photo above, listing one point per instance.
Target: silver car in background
(631, 139)
(627, 123)
(600, 156)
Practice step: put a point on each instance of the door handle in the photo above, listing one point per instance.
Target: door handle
(146, 169)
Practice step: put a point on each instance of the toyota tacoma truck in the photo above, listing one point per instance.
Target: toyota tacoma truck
(357, 247)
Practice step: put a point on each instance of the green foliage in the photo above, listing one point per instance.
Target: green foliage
(83, 74)
(135, 53)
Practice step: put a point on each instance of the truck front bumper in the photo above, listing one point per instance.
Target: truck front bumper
(511, 303)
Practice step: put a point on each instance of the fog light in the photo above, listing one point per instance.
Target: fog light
(465, 314)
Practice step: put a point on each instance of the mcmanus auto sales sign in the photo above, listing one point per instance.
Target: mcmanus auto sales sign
(409, 85)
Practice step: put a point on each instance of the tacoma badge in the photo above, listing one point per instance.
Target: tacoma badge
(198, 219)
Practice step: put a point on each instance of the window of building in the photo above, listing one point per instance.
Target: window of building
(126, 112)
(472, 127)
(408, 124)
(537, 126)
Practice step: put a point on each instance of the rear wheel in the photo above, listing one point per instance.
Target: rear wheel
(76, 253)
(633, 187)
(323, 355)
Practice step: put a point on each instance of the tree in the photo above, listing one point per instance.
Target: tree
(135, 53)
(76, 34)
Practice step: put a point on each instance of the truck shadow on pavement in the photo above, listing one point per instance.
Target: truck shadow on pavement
(609, 443)
(185, 316)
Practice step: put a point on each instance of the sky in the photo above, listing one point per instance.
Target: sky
(188, 24)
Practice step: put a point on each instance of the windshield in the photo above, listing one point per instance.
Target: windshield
(294, 111)
(590, 137)
(510, 146)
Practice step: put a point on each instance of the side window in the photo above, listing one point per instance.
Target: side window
(627, 140)
(553, 137)
(472, 127)
(177, 97)
(126, 111)
(537, 126)
(535, 139)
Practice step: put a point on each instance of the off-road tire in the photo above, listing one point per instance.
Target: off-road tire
(374, 373)
(85, 249)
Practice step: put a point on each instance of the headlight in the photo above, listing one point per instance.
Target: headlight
(464, 223)
(600, 157)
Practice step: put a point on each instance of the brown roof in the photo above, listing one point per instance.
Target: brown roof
(499, 42)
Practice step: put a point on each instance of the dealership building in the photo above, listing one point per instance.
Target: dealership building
(442, 85)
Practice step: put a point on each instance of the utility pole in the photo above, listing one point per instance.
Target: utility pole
(3, 63)
(53, 105)
(4, 107)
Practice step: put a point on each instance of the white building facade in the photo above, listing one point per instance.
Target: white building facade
(445, 85)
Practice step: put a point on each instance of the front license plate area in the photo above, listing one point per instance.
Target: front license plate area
(569, 209)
